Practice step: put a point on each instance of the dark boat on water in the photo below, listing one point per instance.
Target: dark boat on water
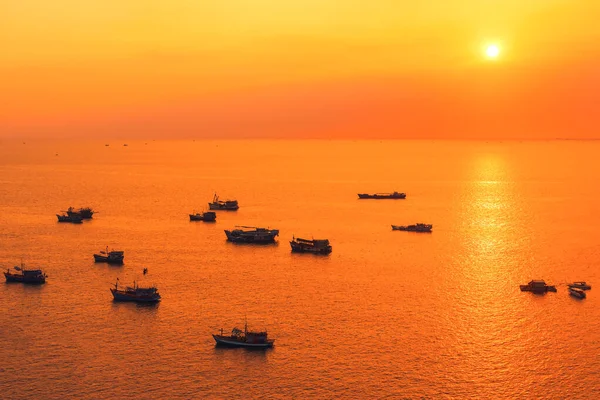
(209, 216)
(25, 275)
(135, 293)
(423, 228)
(245, 338)
(379, 196)
(228, 205)
(251, 234)
(83, 212)
(315, 246)
(580, 285)
(537, 286)
(111, 257)
(576, 292)
(74, 219)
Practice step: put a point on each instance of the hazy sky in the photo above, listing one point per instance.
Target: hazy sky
(310, 68)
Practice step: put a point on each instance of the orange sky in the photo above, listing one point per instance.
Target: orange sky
(311, 68)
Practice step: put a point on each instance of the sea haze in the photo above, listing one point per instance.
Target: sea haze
(388, 314)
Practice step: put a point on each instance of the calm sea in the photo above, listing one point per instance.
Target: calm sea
(388, 314)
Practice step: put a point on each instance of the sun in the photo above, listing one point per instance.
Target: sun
(492, 51)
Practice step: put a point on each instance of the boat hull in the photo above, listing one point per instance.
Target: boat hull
(410, 229)
(211, 217)
(110, 260)
(228, 342)
(296, 248)
(400, 196)
(223, 207)
(262, 238)
(119, 296)
(24, 279)
(527, 288)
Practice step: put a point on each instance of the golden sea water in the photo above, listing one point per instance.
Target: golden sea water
(388, 314)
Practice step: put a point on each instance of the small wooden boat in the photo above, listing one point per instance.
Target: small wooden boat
(228, 205)
(423, 228)
(382, 196)
(209, 216)
(537, 286)
(315, 246)
(74, 219)
(136, 293)
(23, 275)
(245, 338)
(111, 257)
(251, 234)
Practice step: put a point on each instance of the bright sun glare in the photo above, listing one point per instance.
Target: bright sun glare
(492, 51)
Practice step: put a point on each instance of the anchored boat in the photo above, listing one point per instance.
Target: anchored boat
(315, 246)
(228, 205)
(83, 212)
(74, 219)
(25, 275)
(379, 196)
(252, 234)
(537, 286)
(111, 257)
(244, 338)
(423, 228)
(135, 293)
(209, 216)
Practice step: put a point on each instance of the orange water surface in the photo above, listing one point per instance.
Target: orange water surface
(388, 314)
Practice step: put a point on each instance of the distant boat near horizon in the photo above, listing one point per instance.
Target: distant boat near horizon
(382, 196)
(422, 228)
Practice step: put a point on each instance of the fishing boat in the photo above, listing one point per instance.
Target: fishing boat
(575, 292)
(25, 275)
(135, 293)
(228, 205)
(423, 228)
(315, 246)
(209, 216)
(83, 212)
(537, 286)
(251, 234)
(580, 285)
(245, 338)
(111, 257)
(74, 219)
(380, 196)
